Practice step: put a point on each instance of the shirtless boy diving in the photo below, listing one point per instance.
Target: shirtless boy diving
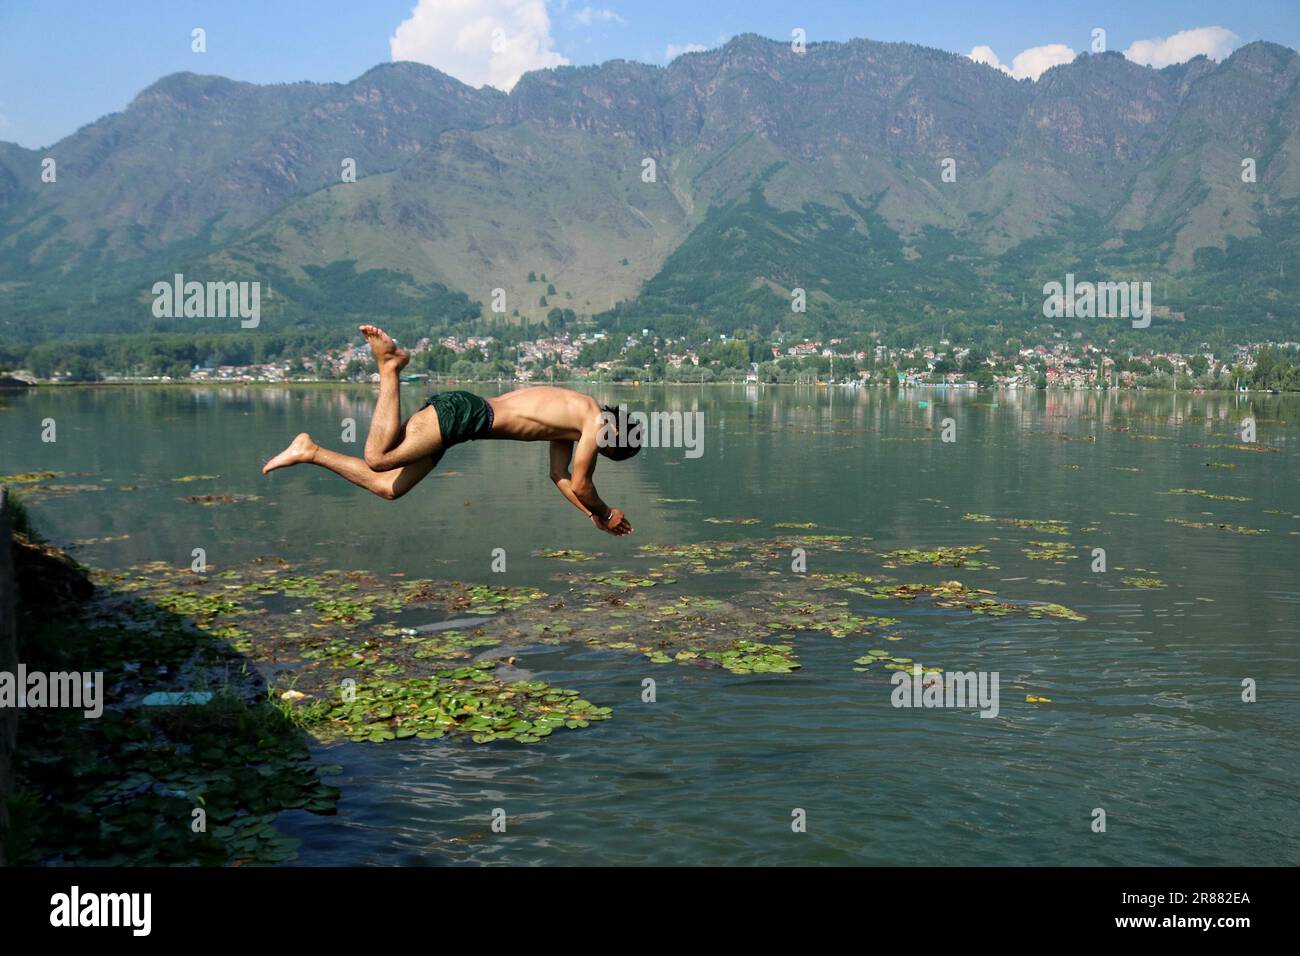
(398, 455)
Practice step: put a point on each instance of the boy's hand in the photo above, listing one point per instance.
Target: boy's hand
(616, 524)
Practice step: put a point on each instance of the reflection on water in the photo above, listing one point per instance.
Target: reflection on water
(1145, 720)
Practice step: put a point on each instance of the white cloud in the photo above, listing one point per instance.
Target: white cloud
(674, 50)
(1037, 60)
(985, 54)
(1214, 42)
(589, 15)
(1031, 63)
(479, 42)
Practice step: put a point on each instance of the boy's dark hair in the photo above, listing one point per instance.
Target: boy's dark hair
(622, 449)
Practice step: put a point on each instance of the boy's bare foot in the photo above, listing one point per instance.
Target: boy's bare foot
(301, 449)
(388, 356)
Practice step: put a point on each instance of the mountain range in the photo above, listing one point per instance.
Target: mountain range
(904, 189)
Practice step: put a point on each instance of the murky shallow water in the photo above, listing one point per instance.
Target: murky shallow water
(1145, 720)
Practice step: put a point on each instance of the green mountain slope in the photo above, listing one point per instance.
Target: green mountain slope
(773, 171)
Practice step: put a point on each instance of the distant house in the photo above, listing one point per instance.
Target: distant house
(18, 380)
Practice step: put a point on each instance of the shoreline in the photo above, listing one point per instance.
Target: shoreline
(936, 386)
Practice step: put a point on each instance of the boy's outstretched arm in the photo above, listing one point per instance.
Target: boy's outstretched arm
(580, 490)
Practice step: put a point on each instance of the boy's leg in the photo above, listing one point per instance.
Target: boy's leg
(386, 430)
(421, 438)
(391, 484)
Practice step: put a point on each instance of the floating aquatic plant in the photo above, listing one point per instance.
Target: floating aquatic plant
(28, 477)
(465, 700)
(953, 557)
(345, 610)
(1057, 611)
(103, 539)
(1202, 493)
(1042, 525)
(755, 657)
(1057, 551)
(625, 579)
(567, 554)
(1221, 526)
(318, 627)
(853, 583)
(954, 594)
(38, 490)
(888, 662)
(1238, 446)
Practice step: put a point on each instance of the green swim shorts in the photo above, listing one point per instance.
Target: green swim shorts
(462, 417)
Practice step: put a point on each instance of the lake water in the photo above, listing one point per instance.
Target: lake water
(1145, 720)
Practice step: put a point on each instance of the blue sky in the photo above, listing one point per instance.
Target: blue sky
(64, 64)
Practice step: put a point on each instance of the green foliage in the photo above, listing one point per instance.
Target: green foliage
(20, 519)
(124, 788)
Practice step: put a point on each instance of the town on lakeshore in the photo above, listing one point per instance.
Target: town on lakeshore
(1072, 362)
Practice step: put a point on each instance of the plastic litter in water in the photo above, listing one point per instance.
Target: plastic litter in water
(184, 699)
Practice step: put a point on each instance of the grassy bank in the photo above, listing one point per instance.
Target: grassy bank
(196, 784)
